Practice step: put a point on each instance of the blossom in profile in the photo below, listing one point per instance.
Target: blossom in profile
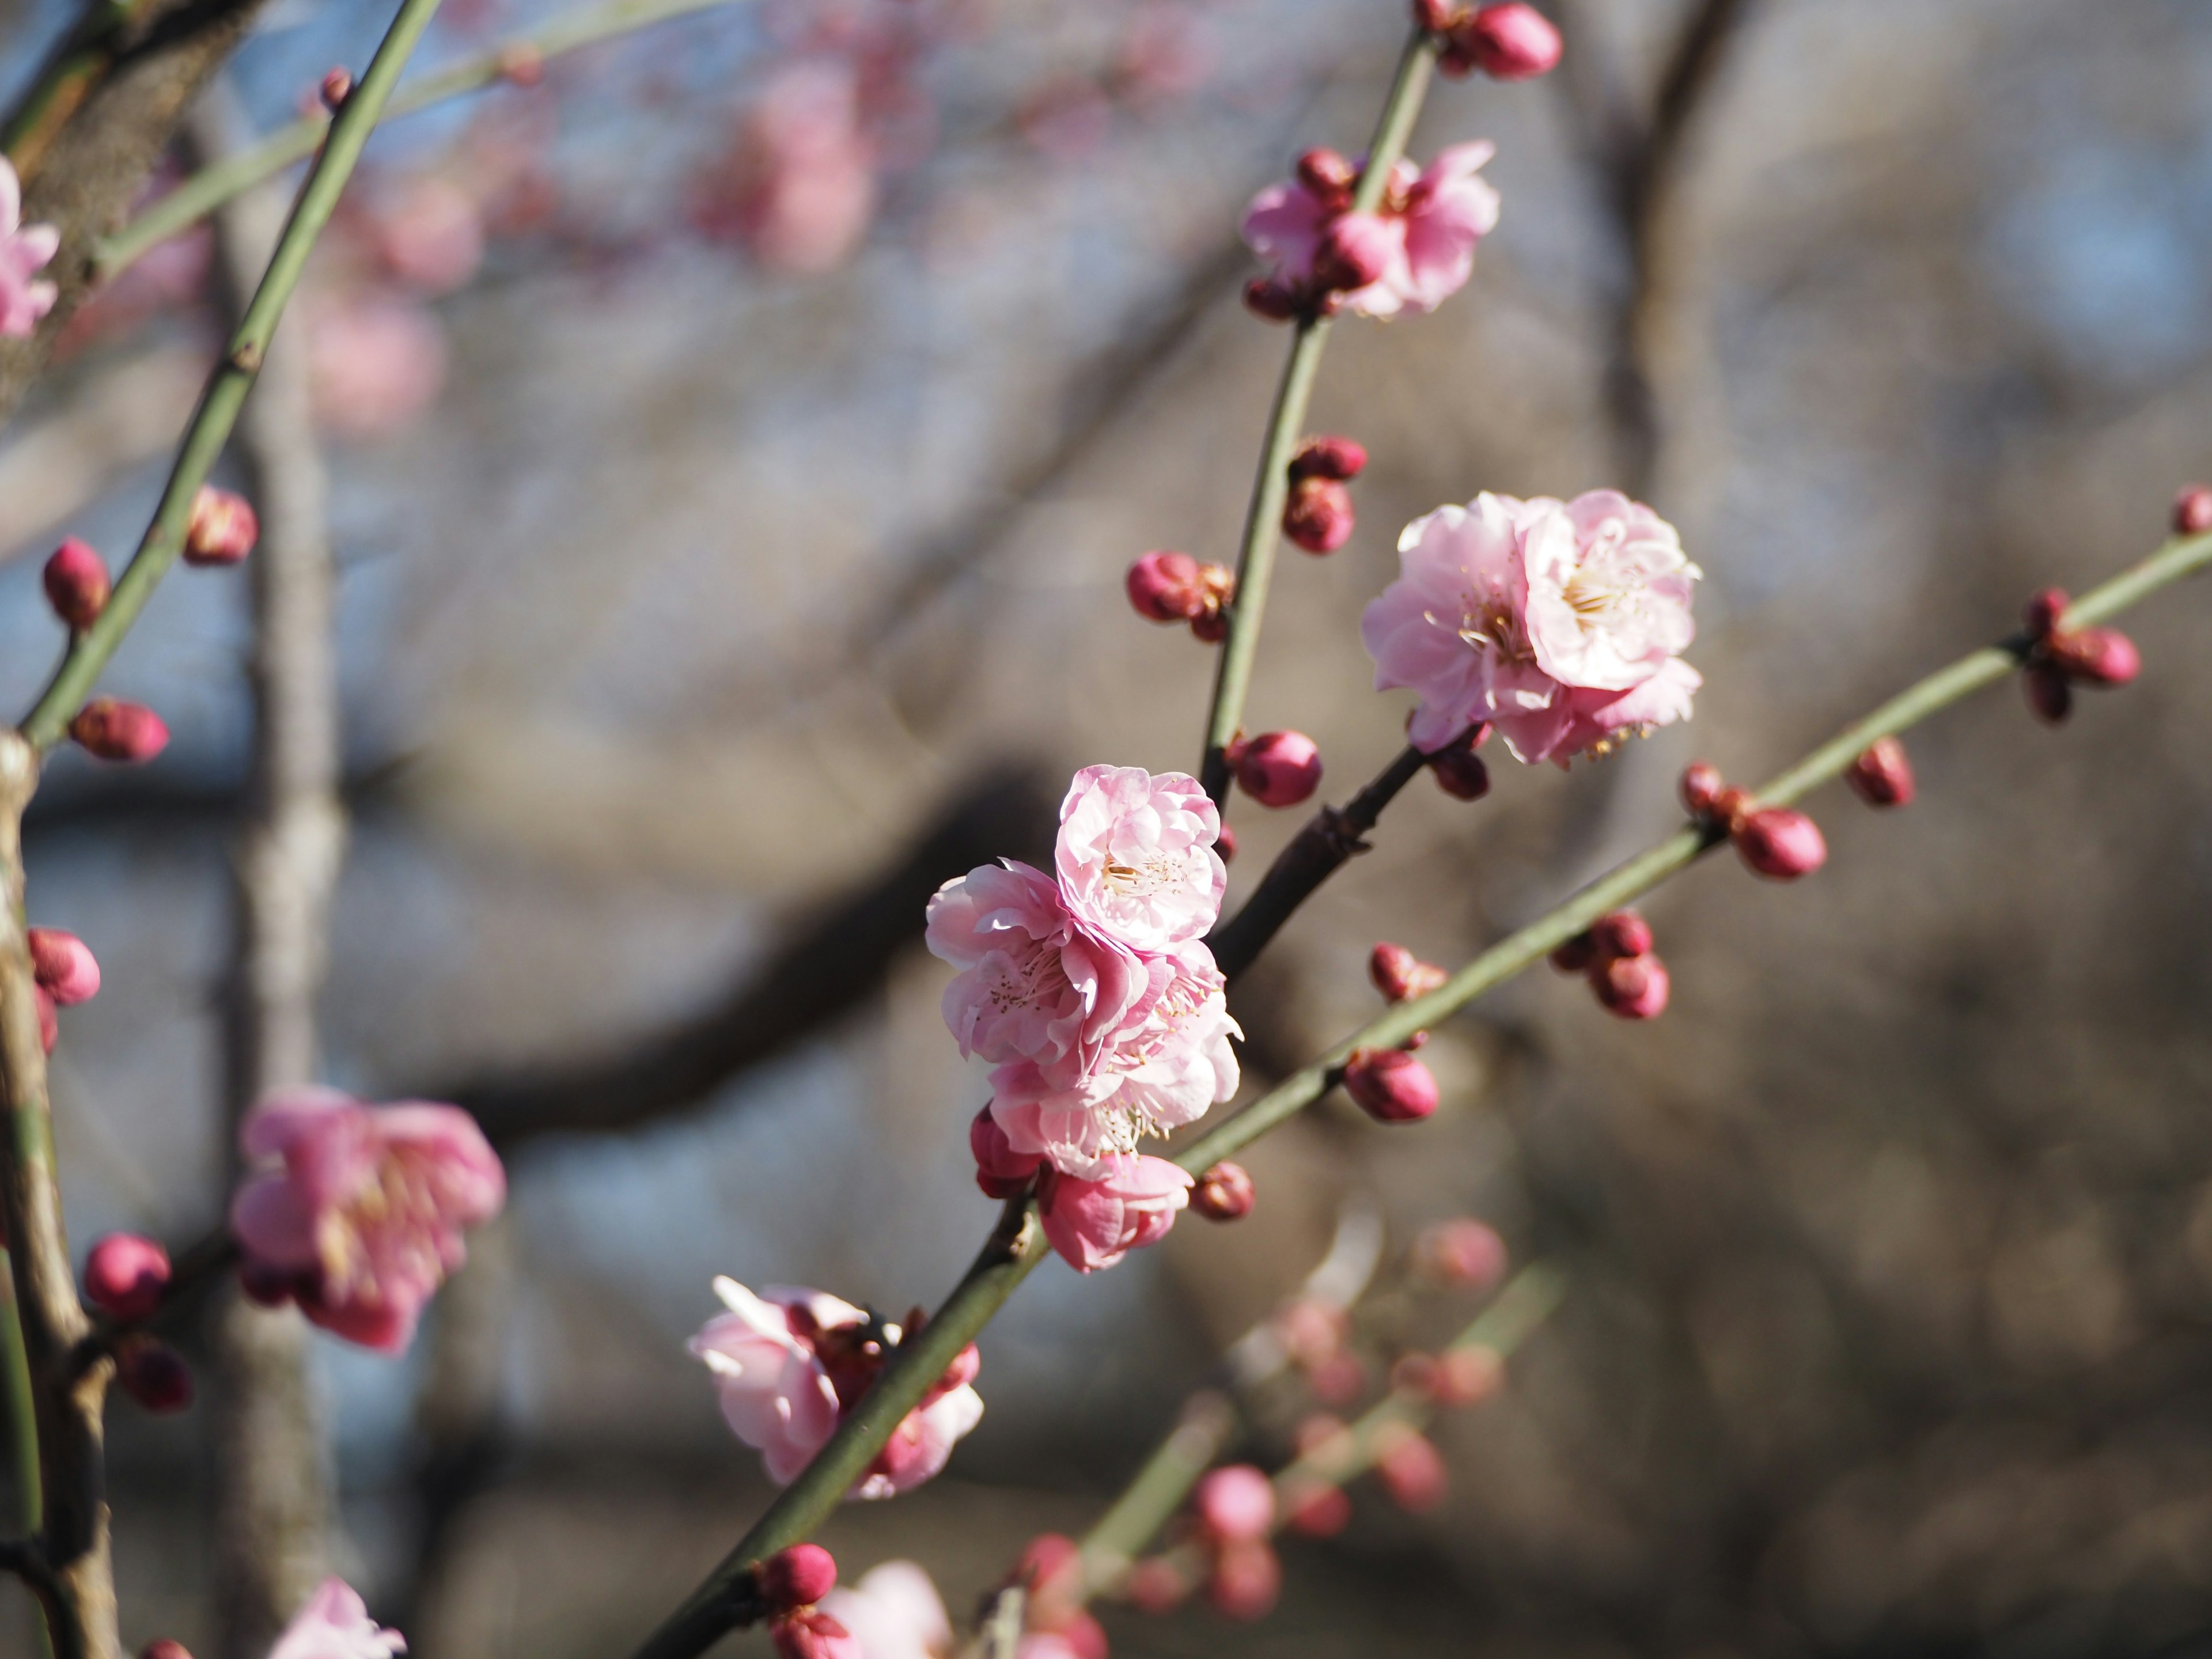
(1132, 1202)
(1412, 254)
(356, 1211)
(25, 249)
(894, 1612)
(1135, 857)
(335, 1624)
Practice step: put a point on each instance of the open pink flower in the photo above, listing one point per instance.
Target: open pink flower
(789, 1363)
(1133, 1203)
(1135, 856)
(1609, 590)
(25, 249)
(1430, 223)
(335, 1624)
(356, 1211)
(894, 1612)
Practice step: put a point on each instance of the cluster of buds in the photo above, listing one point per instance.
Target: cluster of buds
(1171, 588)
(1505, 42)
(1224, 1193)
(1776, 842)
(2059, 658)
(1233, 1514)
(1276, 768)
(1458, 770)
(1052, 1572)
(64, 973)
(791, 1581)
(1317, 515)
(1617, 958)
(1355, 248)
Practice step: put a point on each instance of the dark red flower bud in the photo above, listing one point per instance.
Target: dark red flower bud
(1510, 42)
(2102, 656)
(1634, 988)
(1329, 176)
(1456, 61)
(1318, 514)
(797, 1576)
(1337, 1379)
(2193, 511)
(1623, 933)
(1247, 1579)
(1780, 842)
(125, 1275)
(1277, 302)
(1341, 458)
(1458, 770)
(1702, 784)
(78, 584)
(1212, 629)
(1317, 1509)
(1411, 1470)
(1051, 1565)
(118, 731)
(1278, 768)
(2048, 693)
(64, 964)
(266, 1286)
(1399, 975)
(154, 1374)
(1224, 1193)
(1390, 1085)
(2044, 610)
(1354, 252)
(1882, 776)
(223, 528)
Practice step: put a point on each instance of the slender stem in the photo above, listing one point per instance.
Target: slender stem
(233, 379)
(1151, 1500)
(1256, 558)
(210, 187)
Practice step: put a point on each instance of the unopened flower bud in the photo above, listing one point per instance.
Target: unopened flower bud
(1781, 842)
(2044, 610)
(2193, 511)
(118, 731)
(1390, 1085)
(1510, 42)
(1318, 514)
(1354, 252)
(1235, 1502)
(1702, 784)
(1165, 587)
(1623, 933)
(1414, 1374)
(164, 1647)
(337, 87)
(50, 1024)
(2101, 657)
(1278, 769)
(1575, 955)
(223, 528)
(1317, 1509)
(2048, 694)
(1399, 975)
(797, 1576)
(1436, 15)
(812, 1634)
(1636, 987)
(1000, 1171)
(78, 584)
(125, 1275)
(265, 1285)
(1329, 176)
(1458, 770)
(1411, 1470)
(1224, 1193)
(1247, 1578)
(154, 1374)
(1882, 776)
(1342, 459)
(1468, 1375)
(1155, 1585)
(1275, 301)
(1462, 1251)
(64, 964)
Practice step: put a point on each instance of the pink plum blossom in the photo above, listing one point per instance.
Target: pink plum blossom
(335, 1624)
(803, 187)
(25, 249)
(894, 1612)
(1135, 856)
(374, 363)
(356, 1211)
(1133, 1203)
(1430, 222)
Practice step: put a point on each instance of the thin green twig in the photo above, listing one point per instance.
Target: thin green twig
(232, 378)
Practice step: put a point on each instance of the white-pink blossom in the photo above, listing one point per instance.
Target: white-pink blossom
(1432, 219)
(894, 1612)
(1135, 857)
(25, 249)
(1132, 1202)
(1559, 622)
(335, 1624)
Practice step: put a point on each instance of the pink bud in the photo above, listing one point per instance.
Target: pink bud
(1224, 1193)
(49, 1027)
(2193, 511)
(1458, 770)
(1236, 1504)
(1411, 1470)
(1510, 42)
(154, 1374)
(2102, 656)
(1390, 1085)
(1318, 1510)
(1468, 1375)
(1165, 587)
(1247, 1579)
(1636, 987)
(1278, 769)
(1225, 843)
(1000, 1170)
(1778, 842)
(812, 1634)
(1052, 1566)
(1274, 302)
(223, 528)
(798, 1578)
(1318, 515)
(2048, 694)
(1329, 177)
(1462, 1251)
(163, 1647)
(124, 1276)
(1342, 459)
(1882, 776)
(1702, 784)
(1399, 975)
(2044, 610)
(117, 731)
(1414, 1374)
(65, 965)
(1436, 15)
(78, 584)
(1575, 955)
(1337, 1379)
(1354, 252)
(1155, 1585)
(1623, 933)
(337, 87)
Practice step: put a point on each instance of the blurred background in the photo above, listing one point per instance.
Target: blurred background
(735, 443)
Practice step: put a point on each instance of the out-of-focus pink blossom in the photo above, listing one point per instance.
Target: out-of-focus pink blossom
(1164, 54)
(1461, 1251)
(1411, 1470)
(813, 1634)
(65, 965)
(25, 249)
(1235, 1502)
(374, 363)
(805, 179)
(1247, 1579)
(1135, 856)
(1067, 118)
(894, 1612)
(1094, 1224)
(360, 1209)
(431, 236)
(335, 1624)
(1415, 253)
(1318, 1510)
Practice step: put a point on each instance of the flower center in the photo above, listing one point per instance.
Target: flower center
(1489, 625)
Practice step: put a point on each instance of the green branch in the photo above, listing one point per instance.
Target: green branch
(211, 422)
